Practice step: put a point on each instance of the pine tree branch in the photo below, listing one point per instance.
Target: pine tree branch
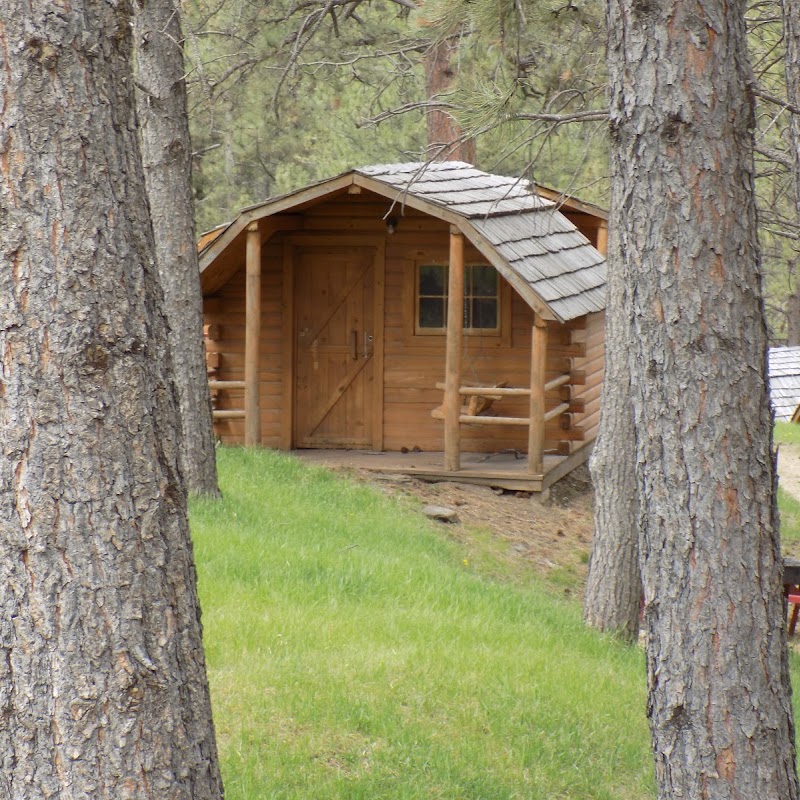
(404, 109)
(774, 155)
(782, 102)
(598, 115)
(556, 119)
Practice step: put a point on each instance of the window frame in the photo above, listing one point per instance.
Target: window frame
(500, 297)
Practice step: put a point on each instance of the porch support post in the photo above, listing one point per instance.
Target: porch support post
(602, 238)
(252, 400)
(455, 327)
(537, 410)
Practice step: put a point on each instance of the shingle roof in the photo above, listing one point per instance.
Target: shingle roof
(460, 187)
(542, 254)
(537, 241)
(784, 380)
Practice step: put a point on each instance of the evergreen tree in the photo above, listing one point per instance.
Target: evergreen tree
(166, 156)
(682, 121)
(103, 690)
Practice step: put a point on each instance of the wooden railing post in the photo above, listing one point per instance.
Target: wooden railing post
(455, 327)
(252, 399)
(537, 421)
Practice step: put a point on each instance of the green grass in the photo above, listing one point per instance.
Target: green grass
(355, 651)
(786, 433)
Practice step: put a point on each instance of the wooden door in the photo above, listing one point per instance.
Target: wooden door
(335, 339)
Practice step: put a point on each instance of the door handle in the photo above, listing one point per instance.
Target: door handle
(367, 343)
(354, 346)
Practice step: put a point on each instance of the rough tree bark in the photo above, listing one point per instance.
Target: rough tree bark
(167, 159)
(793, 305)
(791, 39)
(446, 140)
(682, 126)
(103, 689)
(614, 585)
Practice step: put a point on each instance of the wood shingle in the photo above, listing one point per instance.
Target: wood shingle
(784, 381)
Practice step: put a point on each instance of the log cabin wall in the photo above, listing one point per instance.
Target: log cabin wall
(224, 315)
(593, 366)
(412, 363)
(583, 344)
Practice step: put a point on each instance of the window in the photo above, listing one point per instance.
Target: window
(481, 298)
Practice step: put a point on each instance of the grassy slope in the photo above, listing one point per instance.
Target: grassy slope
(786, 433)
(354, 654)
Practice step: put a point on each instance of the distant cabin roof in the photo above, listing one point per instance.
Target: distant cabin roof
(784, 380)
(550, 263)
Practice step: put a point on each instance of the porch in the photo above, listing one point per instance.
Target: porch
(504, 470)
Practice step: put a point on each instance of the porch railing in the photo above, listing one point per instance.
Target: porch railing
(498, 392)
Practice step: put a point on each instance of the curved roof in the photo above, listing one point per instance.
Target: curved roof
(550, 263)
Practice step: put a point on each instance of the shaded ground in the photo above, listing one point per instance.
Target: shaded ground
(554, 537)
(789, 469)
(789, 482)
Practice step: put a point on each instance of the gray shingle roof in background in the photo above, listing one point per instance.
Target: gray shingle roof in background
(536, 240)
(784, 380)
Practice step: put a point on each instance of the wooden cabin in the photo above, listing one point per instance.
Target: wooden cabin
(329, 327)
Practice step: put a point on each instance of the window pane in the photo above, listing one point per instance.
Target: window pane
(484, 281)
(432, 280)
(431, 312)
(484, 313)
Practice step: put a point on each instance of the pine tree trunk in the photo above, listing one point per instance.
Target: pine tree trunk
(682, 126)
(791, 39)
(614, 586)
(103, 690)
(446, 140)
(167, 159)
(793, 311)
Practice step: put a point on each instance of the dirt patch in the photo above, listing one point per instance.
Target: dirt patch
(789, 469)
(789, 481)
(553, 537)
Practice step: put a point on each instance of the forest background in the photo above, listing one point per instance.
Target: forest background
(282, 94)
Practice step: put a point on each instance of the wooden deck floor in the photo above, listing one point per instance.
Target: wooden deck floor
(504, 470)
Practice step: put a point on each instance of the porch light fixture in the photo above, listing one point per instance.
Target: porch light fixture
(391, 225)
